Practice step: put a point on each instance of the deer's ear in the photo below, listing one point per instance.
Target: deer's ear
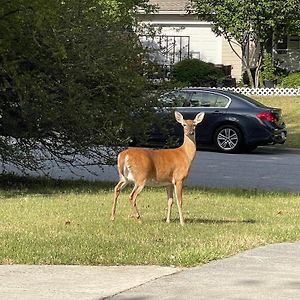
(199, 118)
(179, 117)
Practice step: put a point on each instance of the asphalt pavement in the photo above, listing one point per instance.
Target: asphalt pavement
(264, 273)
(267, 168)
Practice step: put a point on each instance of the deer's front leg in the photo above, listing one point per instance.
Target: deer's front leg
(170, 192)
(178, 193)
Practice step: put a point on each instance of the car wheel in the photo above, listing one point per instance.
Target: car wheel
(228, 139)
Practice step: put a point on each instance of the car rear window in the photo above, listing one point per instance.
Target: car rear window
(250, 100)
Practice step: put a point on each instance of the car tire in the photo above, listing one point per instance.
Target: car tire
(228, 139)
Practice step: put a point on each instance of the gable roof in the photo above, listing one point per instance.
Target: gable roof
(171, 5)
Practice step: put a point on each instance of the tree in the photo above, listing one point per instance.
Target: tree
(71, 75)
(255, 24)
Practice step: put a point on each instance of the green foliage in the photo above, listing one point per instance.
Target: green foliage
(197, 73)
(250, 20)
(71, 74)
(292, 80)
(257, 20)
(268, 68)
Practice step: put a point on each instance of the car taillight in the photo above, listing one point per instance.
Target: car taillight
(267, 116)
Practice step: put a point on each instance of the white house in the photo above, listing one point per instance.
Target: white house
(182, 34)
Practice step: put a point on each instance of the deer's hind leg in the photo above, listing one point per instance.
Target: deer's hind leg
(118, 188)
(138, 187)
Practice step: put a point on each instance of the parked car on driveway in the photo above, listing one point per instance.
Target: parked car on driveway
(232, 122)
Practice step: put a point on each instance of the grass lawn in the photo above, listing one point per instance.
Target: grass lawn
(290, 108)
(59, 222)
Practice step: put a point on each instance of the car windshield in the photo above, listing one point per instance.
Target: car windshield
(252, 101)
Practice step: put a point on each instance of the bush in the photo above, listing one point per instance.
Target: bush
(197, 73)
(268, 68)
(292, 80)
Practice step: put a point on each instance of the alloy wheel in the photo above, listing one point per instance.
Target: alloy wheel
(228, 139)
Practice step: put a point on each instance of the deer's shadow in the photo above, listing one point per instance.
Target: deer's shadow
(214, 221)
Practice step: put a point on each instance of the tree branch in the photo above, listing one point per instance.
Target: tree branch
(231, 46)
(9, 13)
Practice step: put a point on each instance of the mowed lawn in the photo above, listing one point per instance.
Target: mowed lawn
(60, 222)
(291, 113)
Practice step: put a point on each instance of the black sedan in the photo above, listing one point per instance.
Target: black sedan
(232, 122)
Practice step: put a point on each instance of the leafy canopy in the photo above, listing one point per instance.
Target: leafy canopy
(71, 75)
(251, 21)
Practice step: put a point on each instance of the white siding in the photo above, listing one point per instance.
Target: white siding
(204, 44)
(230, 58)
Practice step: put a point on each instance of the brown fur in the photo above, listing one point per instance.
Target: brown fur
(167, 167)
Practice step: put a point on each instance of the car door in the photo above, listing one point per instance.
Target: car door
(215, 107)
(168, 128)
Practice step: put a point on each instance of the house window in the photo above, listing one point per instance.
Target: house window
(294, 42)
(288, 43)
(282, 44)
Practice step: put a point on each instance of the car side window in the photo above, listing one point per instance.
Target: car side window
(175, 99)
(205, 99)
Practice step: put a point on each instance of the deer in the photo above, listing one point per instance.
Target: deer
(158, 167)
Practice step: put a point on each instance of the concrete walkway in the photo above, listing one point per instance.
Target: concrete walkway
(270, 272)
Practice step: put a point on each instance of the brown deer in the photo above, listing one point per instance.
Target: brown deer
(164, 167)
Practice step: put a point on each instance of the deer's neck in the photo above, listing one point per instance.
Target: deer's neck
(189, 147)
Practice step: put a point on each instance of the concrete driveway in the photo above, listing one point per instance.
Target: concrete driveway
(265, 273)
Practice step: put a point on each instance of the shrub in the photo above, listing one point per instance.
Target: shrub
(197, 73)
(291, 80)
(268, 68)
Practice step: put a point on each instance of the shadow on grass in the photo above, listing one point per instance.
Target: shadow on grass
(212, 221)
(12, 185)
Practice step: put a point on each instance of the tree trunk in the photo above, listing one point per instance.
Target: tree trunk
(258, 79)
(250, 76)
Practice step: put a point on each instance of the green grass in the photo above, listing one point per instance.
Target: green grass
(59, 222)
(291, 113)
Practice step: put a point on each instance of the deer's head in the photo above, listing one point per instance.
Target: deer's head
(189, 126)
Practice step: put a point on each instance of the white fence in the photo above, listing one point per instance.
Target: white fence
(265, 91)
